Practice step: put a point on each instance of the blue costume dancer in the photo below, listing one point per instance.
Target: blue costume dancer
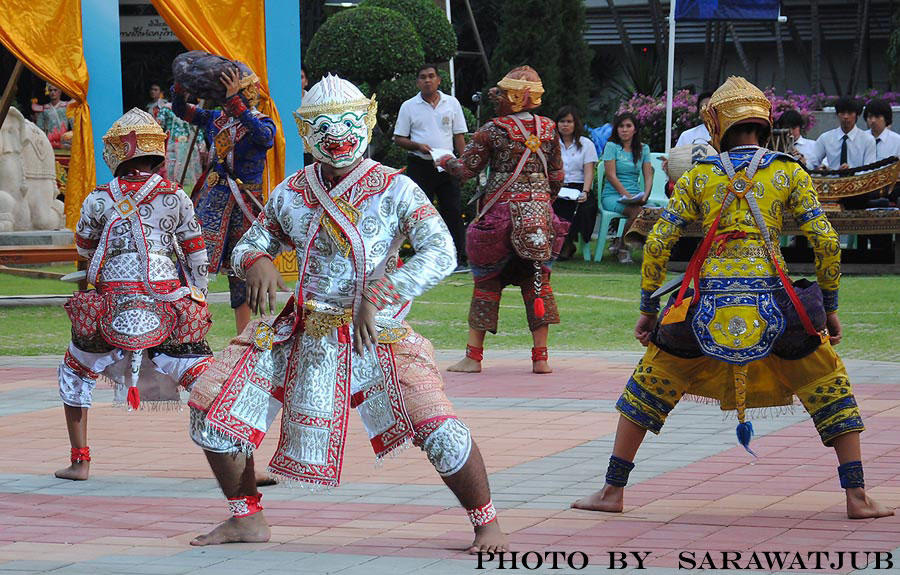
(231, 198)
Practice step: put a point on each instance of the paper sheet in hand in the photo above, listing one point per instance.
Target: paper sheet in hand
(636, 199)
(568, 193)
(438, 153)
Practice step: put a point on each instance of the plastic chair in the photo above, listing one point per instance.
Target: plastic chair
(658, 196)
(604, 219)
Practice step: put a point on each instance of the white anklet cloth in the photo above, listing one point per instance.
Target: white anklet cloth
(245, 506)
(482, 515)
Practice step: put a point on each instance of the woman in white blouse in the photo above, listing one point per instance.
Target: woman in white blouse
(579, 161)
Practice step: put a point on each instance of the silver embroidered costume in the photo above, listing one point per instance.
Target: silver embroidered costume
(133, 231)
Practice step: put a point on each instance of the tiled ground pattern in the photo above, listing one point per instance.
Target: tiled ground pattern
(546, 441)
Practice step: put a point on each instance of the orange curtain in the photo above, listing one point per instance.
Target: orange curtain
(235, 29)
(46, 37)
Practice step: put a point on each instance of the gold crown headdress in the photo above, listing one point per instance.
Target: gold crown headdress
(737, 101)
(133, 135)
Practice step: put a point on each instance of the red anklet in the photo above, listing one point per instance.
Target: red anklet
(539, 354)
(476, 353)
(482, 515)
(245, 506)
(80, 454)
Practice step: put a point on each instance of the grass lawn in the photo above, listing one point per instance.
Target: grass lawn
(597, 304)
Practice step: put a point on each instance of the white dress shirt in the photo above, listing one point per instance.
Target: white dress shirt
(696, 135)
(886, 144)
(860, 149)
(806, 148)
(423, 123)
(575, 159)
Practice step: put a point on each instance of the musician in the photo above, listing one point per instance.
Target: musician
(803, 147)
(845, 146)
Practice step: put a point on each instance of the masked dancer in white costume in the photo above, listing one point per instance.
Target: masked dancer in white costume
(341, 342)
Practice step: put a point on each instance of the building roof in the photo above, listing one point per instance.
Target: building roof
(837, 17)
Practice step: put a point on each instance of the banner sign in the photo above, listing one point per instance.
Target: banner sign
(145, 29)
(686, 10)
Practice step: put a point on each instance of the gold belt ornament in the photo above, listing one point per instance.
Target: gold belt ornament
(318, 323)
(320, 318)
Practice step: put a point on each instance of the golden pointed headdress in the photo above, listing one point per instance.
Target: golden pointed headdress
(133, 135)
(737, 101)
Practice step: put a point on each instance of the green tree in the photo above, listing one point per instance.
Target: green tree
(435, 32)
(365, 44)
(574, 57)
(546, 35)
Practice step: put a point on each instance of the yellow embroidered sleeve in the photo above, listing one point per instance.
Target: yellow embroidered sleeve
(803, 205)
(683, 208)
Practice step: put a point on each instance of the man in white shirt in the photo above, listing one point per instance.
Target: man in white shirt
(697, 134)
(878, 116)
(845, 146)
(432, 120)
(793, 121)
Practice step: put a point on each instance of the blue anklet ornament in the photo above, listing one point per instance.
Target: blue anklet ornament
(618, 470)
(851, 475)
(744, 434)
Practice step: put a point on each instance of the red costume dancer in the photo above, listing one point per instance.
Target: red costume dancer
(143, 327)
(515, 235)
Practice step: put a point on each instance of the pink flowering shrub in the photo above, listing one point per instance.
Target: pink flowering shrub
(651, 115)
(651, 112)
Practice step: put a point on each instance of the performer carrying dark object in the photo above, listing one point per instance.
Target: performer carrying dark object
(231, 198)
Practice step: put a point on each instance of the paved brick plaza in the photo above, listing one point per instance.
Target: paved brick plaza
(546, 440)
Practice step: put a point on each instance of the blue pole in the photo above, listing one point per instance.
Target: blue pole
(100, 37)
(283, 67)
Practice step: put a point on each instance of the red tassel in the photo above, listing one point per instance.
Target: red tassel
(539, 308)
(134, 397)
(344, 334)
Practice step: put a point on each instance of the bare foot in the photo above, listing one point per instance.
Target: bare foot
(489, 538)
(250, 529)
(263, 479)
(861, 506)
(610, 499)
(541, 366)
(75, 472)
(466, 365)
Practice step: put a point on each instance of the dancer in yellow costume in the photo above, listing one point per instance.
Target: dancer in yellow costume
(744, 336)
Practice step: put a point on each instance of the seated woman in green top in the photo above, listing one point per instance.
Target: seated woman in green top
(627, 163)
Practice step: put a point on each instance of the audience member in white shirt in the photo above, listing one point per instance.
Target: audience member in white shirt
(697, 134)
(434, 120)
(804, 147)
(845, 146)
(579, 163)
(878, 116)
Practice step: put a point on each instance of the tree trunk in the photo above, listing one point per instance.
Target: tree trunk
(623, 33)
(659, 36)
(779, 46)
(707, 57)
(862, 21)
(740, 50)
(718, 55)
(801, 50)
(816, 63)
